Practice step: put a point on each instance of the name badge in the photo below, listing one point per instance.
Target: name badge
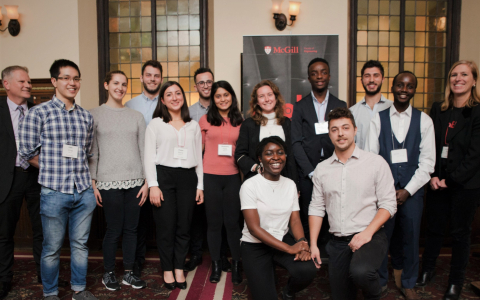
(180, 153)
(225, 150)
(399, 156)
(445, 152)
(321, 128)
(70, 151)
(276, 233)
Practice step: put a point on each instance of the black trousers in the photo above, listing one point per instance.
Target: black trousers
(173, 217)
(306, 188)
(121, 213)
(223, 208)
(259, 264)
(143, 230)
(459, 206)
(24, 185)
(351, 270)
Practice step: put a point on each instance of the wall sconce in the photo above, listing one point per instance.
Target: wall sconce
(12, 13)
(280, 18)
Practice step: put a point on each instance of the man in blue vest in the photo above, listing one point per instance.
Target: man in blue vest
(405, 138)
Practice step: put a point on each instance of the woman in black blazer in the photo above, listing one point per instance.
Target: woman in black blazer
(454, 192)
(267, 119)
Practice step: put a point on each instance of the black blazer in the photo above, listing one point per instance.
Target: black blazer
(247, 142)
(307, 145)
(8, 149)
(463, 162)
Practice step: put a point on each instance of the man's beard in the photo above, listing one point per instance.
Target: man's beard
(374, 92)
(152, 92)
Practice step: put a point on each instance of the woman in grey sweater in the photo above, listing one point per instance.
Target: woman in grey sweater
(118, 177)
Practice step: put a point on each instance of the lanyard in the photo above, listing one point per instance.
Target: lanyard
(450, 125)
(184, 140)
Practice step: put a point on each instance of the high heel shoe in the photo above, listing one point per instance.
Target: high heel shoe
(181, 285)
(216, 271)
(236, 272)
(171, 286)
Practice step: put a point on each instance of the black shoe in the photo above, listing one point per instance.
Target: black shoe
(287, 295)
(181, 285)
(137, 269)
(237, 277)
(110, 281)
(216, 271)
(226, 265)
(130, 279)
(453, 292)
(424, 278)
(171, 286)
(5, 287)
(193, 263)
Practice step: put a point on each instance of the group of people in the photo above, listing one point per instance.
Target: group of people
(352, 179)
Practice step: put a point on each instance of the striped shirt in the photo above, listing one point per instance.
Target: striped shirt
(44, 130)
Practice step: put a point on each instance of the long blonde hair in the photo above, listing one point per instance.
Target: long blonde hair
(475, 92)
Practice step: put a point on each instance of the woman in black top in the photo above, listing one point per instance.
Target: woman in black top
(267, 119)
(454, 193)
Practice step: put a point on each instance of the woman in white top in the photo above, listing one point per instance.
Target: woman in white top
(118, 178)
(267, 119)
(174, 171)
(269, 204)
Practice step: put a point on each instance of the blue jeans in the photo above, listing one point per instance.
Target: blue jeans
(57, 210)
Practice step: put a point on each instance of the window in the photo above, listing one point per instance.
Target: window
(134, 31)
(405, 35)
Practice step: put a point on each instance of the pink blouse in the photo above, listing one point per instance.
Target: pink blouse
(212, 136)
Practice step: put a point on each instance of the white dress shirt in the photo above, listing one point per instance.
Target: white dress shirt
(352, 192)
(363, 115)
(160, 141)
(320, 108)
(400, 123)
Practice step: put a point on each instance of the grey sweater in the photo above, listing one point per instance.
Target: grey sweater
(118, 143)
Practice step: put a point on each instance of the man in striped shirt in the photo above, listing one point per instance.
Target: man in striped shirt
(56, 137)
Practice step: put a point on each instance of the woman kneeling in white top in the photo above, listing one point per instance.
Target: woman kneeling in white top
(269, 203)
(174, 171)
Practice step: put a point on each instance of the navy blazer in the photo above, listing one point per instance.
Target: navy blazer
(8, 149)
(463, 162)
(307, 145)
(247, 143)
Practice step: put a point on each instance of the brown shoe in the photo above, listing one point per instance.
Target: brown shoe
(397, 274)
(410, 294)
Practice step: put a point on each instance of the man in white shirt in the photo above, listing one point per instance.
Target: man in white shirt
(405, 138)
(356, 189)
(373, 102)
(152, 78)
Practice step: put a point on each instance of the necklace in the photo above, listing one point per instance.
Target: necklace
(272, 186)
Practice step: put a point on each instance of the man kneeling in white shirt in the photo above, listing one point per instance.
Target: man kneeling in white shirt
(356, 190)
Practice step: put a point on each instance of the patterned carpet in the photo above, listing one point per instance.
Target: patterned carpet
(25, 286)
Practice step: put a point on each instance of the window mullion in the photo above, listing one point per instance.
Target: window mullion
(401, 49)
(154, 29)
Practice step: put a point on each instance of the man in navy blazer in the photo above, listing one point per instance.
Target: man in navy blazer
(310, 141)
(17, 178)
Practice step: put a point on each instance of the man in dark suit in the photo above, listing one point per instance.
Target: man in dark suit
(18, 179)
(310, 142)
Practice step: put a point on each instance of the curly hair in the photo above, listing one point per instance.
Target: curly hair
(475, 92)
(255, 109)
(339, 113)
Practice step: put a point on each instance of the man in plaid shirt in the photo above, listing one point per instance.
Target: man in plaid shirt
(56, 137)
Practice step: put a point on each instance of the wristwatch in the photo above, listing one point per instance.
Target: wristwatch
(302, 239)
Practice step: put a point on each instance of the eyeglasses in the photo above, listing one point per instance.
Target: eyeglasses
(203, 83)
(68, 79)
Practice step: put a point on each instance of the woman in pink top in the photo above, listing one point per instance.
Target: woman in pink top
(220, 128)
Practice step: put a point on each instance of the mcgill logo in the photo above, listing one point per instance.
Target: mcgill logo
(285, 50)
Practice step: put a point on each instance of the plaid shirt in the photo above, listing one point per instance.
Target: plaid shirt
(44, 130)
